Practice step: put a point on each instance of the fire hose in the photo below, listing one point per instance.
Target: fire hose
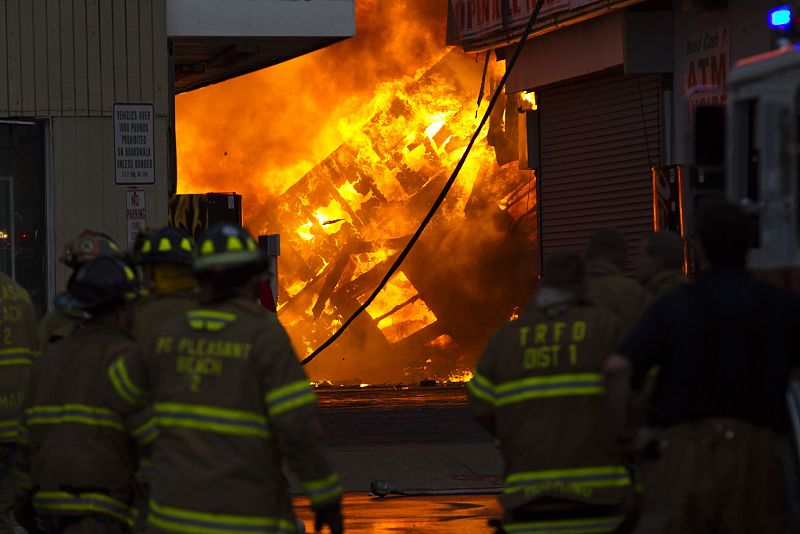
(381, 488)
(442, 195)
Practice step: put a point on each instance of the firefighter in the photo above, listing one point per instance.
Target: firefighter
(231, 403)
(76, 459)
(607, 285)
(659, 263)
(539, 390)
(726, 346)
(17, 351)
(165, 256)
(60, 323)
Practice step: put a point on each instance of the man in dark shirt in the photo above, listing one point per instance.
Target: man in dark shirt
(725, 350)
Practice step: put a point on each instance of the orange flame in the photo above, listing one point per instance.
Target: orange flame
(341, 152)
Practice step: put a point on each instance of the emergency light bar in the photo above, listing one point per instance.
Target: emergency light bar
(780, 17)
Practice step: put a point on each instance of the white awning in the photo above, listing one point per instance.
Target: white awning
(215, 40)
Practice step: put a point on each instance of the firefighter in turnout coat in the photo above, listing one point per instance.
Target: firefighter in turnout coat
(76, 459)
(231, 404)
(59, 323)
(17, 352)
(539, 390)
(166, 257)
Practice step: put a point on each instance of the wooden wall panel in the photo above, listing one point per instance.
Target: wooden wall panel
(3, 61)
(118, 26)
(14, 71)
(54, 57)
(27, 73)
(67, 60)
(94, 65)
(40, 58)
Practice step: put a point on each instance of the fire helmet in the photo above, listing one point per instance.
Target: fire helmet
(166, 245)
(226, 246)
(86, 247)
(98, 282)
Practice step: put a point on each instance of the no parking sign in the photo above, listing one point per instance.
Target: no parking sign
(135, 213)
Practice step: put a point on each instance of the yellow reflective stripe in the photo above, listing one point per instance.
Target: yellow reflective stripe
(21, 350)
(597, 525)
(211, 314)
(147, 246)
(186, 244)
(73, 413)
(146, 433)
(212, 419)
(481, 388)
(17, 356)
(548, 386)
(23, 479)
(164, 245)
(59, 502)
(211, 320)
(588, 477)
(9, 429)
(144, 471)
(321, 491)
(124, 386)
(193, 522)
(289, 397)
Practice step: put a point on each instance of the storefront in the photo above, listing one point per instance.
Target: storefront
(615, 83)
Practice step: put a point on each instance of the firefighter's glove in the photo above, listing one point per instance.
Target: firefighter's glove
(330, 515)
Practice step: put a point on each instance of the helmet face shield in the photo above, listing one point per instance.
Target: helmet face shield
(224, 247)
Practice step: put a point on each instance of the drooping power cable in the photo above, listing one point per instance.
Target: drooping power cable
(440, 199)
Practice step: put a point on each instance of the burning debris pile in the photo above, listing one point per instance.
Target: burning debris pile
(345, 222)
(342, 152)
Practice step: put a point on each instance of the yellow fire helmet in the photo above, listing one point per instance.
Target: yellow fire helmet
(166, 245)
(226, 246)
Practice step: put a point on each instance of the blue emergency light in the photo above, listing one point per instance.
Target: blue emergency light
(780, 17)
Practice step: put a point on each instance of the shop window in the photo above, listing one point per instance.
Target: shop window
(23, 220)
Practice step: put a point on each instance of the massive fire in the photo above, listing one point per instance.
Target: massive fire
(342, 152)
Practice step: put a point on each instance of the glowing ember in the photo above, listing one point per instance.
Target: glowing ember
(460, 376)
(529, 97)
(399, 310)
(303, 231)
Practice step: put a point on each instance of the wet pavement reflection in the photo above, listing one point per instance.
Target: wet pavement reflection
(462, 514)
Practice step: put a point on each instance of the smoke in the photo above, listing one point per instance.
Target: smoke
(264, 131)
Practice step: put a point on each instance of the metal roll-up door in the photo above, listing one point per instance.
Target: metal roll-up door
(599, 138)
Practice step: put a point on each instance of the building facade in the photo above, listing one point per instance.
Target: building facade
(615, 85)
(87, 108)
